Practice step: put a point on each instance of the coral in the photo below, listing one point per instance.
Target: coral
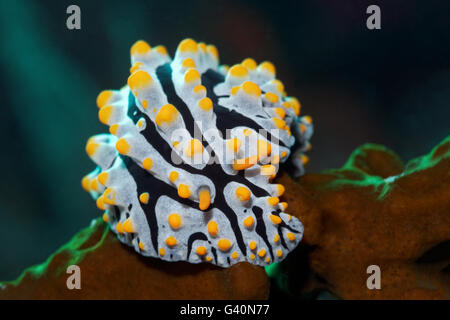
(373, 211)
(185, 173)
(111, 271)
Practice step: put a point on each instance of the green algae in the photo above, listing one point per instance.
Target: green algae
(382, 186)
(277, 272)
(74, 248)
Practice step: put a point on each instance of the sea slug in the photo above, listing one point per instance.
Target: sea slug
(185, 172)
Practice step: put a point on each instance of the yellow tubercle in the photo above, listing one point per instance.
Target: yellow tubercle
(250, 64)
(162, 252)
(188, 45)
(201, 251)
(235, 255)
(279, 253)
(173, 176)
(191, 75)
(143, 197)
(276, 238)
(141, 246)
(122, 146)
(278, 85)
(224, 244)
(140, 79)
(136, 66)
(280, 112)
(271, 97)
(243, 193)
(234, 90)
(175, 221)
(205, 199)
(279, 123)
(280, 189)
(295, 105)
(109, 196)
(184, 191)
(268, 170)
(171, 241)
(305, 159)
(307, 119)
(242, 164)
(262, 253)
(103, 98)
(268, 66)
(105, 217)
(94, 184)
(238, 71)
(251, 88)
(248, 222)
(205, 104)
(194, 147)
(302, 127)
(252, 245)
(127, 226)
(202, 46)
(147, 164)
(288, 130)
(91, 147)
(100, 204)
(213, 228)
(234, 144)
(199, 89)
(140, 48)
(211, 49)
(161, 50)
(275, 219)
(188, 63)
(119, 227)
(290, 236)
(263, 148)
(103, 178)
(85, 183)
(273, 201)
(113, 129)
(275, 159)
(105, 113)
(167, 114)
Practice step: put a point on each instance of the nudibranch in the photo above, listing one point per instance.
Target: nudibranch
(185, 172)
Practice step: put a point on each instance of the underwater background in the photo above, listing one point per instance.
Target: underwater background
(388, 86)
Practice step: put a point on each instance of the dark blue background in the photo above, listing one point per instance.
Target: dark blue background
(389, 86)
